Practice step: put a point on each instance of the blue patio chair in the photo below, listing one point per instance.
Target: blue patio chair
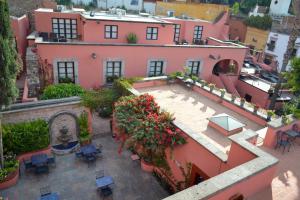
(282, 141)
(106, 191)
(41, 169)
(28, 165)
(45, 190)
(99, 174)
(51, 160)
(78, 154)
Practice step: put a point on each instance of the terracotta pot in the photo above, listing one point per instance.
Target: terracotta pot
(10, 180)
(147, 167)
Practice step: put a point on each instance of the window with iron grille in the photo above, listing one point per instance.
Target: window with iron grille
(194, 67)
(197, 33)
(113, 70)
(152, 33)
(66, 28)
(176, 32)
(156, 68)
(111, 31)
(66, 72)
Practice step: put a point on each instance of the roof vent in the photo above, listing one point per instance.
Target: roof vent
(92, 14)
(60, 8)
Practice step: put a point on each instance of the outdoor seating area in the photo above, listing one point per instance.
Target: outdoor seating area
(286, 139)
(117, 177)
(39, 163)
(89, 153)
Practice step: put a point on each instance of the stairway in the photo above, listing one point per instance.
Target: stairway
(229, 86)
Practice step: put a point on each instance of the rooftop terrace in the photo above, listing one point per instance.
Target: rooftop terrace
(193, 110)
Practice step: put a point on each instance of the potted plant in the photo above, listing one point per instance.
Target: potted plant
(211, 87)
(232, 68)
(243, 102)
(132, 38)
(255, 108)
(172, 77)
(194, 78)
(285, 119)
(233, 97)
(203, 83)
(223, 91)
(270, 113)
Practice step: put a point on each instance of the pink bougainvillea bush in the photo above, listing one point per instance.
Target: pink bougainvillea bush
(146, 129)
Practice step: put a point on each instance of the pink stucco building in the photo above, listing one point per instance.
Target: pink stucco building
(92, 48)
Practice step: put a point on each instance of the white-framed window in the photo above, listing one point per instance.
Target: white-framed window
(194, 67)
(66, 72)
(197, 33)
(111, 31)
(152, 33)
(156, 68)
(176, 32)
(66, 28)
(113, 70)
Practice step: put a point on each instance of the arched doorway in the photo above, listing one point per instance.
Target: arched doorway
(64, 132)
(225, 66)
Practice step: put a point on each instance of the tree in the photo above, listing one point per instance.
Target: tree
(259, 22)
(288, 53)
(9, 65)
(293, 77)
(235, 8)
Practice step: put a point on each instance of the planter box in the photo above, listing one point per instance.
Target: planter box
(147, 167)
(10, 180)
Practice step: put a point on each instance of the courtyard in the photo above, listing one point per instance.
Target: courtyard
(74, 179)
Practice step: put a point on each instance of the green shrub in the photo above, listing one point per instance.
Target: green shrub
(62, 90)
(25, 137)
(264, 23)
(121, 86)
(84, 127)
(132, 38)
(100, 100)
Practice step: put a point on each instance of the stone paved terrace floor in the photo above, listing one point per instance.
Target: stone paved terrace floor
(75, 180)
(193, 109)
(286, 183)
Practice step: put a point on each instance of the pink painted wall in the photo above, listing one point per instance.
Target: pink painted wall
(20, 27)
(94, 32)
(248, 187)
(43, 20)
(259, 97)
(217, 30)
(135, 58)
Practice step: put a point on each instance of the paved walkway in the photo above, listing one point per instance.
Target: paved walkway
(75, 180)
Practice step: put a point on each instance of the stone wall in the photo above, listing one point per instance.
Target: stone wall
(34, 110)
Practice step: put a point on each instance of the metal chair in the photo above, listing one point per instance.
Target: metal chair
(106, 191)
(41, 169)
(51, 160)
(28, 165)
(283, 140)
(99, 174)
(45, 190)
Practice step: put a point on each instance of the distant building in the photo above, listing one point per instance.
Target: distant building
(276, 48)
(258, 11)
(280, 7)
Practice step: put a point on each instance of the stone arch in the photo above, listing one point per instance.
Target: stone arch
(52, 119)
(224, 67)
